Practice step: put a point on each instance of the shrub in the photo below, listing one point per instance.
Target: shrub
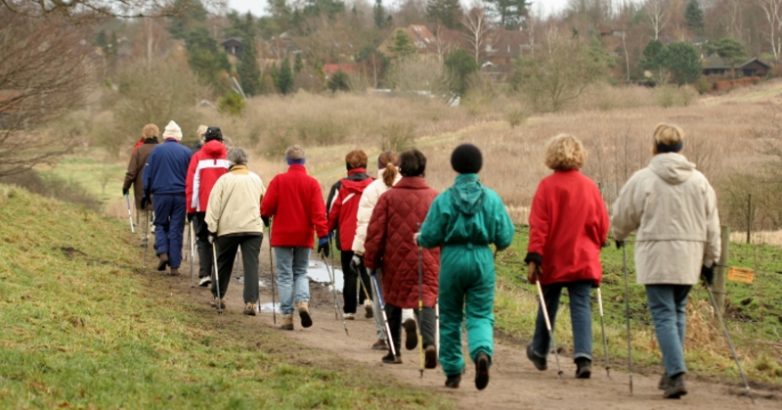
(339, 82)
(231, 103)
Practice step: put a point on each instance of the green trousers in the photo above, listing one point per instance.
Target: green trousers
(466, 289)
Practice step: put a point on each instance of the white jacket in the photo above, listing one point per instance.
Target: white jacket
(366, 205)
(674, 209)
(235, 203)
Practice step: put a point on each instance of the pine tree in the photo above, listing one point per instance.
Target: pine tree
(402, 46)
(510, 14)
(248, 70)
(445, 12)
(283, 79)
(205, 57)
(693, 14)
(379, 14)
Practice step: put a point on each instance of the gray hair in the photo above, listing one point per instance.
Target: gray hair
(295, 152)
(237, 156)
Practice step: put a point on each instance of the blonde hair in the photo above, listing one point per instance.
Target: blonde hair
(388, 161)
(668, 134)
(294, 152)
(150, 131)
(565, 152)
(201, 131)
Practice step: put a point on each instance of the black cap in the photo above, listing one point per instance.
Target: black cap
(466, 159)
(213, 133)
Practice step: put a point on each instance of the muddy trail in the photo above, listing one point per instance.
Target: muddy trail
(514, 383)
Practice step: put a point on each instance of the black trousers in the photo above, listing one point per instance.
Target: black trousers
(350, 283)
(226, 253)
(202, 243)
(426, 322)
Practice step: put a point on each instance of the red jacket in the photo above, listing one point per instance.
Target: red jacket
(568, 226)
(295, 201)
(206, 166)
(397, 216)
(344, 211)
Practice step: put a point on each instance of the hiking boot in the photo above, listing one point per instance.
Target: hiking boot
(453, 381)
(482, 371)
(205, 282)
(174, 272)
(539, 362)
(161, 266)
(380, 345)
(583, 368)
(675, 388)
(249, 309)
(411, 338)
(304, 314)
(287, 322)
(391, 359)
(349, 316)
(430, 357)
(214, 303)
(664, 380)
(368, 313)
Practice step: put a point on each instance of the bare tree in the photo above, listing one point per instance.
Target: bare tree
(772, 9)
(477, 24)
(658, 13)
(98, 8)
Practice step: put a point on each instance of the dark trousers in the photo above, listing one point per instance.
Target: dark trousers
(426, 323)
(170, 226)
(202, 243)
(351, 282)
(226, 253)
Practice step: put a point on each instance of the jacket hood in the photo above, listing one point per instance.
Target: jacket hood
(214, 149)
(357, 180)
(467, 193)
(672, 168)
(411, 183)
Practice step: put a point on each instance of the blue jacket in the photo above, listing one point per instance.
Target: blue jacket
(166, 169)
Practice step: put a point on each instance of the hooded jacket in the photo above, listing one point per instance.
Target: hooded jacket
(396, 218)
(568, 226)
(366, 205)
(206, 166)
(674, 210)
(135, 172)
(344, 209)
(166, 168)
(235, 203)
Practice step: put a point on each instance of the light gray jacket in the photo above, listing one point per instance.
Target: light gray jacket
(674, 209)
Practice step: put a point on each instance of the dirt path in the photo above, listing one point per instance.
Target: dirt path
(515, 383)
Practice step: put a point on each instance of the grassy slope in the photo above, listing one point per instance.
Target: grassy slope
(81, 328)
(754, 315)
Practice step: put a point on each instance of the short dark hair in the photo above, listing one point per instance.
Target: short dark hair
(412, 163)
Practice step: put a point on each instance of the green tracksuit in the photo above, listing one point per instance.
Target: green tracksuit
(463, 221)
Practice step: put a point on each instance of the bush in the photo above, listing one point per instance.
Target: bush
(231, 103)
(397, 137)
(339, 82)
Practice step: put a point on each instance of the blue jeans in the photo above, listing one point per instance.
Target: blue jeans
(668, 306)
(169, 226)
(291, 264)
(580, 317)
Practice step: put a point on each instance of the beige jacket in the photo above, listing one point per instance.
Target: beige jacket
(674, 209)
(366, 205)
(235, 203)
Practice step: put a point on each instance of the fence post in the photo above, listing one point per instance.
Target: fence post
(749, 218)
(722, 269)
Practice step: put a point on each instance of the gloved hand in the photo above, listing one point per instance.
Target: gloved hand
(323, 246)
(144, 202)
(266, 221)
(211, 237)
(619, 243)
(533, 272)
(190, 217)
(125, 191)
(707, 274)
(356, 262)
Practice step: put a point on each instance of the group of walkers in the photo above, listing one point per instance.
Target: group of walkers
(407, 251)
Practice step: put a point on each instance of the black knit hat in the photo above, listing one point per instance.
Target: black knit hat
(213, 133)
(466, 159)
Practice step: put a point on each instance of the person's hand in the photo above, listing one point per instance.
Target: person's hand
(190, 216)
(266, 221)
(356, 262)
(144, 202)
(415, 238)
(532, 272)
(323, 246)
(125, 191)
(211, 237)
(619, 244)
(707, 274)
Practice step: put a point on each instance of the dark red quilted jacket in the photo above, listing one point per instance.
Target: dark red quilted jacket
(397, 216)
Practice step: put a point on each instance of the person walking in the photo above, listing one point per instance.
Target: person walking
(396, 218)
(233, 219)
(343, 218)
(135, 173)
(568, 227)
(463, 221)
(295, 202)
(206, 166)
(673, 209)
(164, 180)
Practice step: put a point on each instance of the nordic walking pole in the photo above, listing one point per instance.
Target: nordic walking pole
(217, 280)
(271, 269)
(603, 332)
(627, 317)
(330, 271)
(146, 236)
(192, 249)
(420, 310)
(130, 214)
(544, 309)
(729, 341)
(382, 304)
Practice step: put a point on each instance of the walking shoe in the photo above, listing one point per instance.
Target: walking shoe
(391, 359)
(430, 357)
(304, 314)
(453, 381)
(664, 380)
(349, 316)
(380, 345)
(214, 303)
(583, 368)
(675, 388)
(249, 309)
(482, 371)
(539, 362)
(205, 282)
(174, 272)
(287, 322)
(368, 313)
(411, 338)
(161, 266)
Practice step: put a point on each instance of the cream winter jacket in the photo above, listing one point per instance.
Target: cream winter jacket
(235, 203)
(674, 209)
(365, 207)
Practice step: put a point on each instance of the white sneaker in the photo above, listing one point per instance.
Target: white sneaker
(350, 316)
(205, 281)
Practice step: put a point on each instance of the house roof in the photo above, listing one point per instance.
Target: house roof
(330, 69)
(232, 40)
(755, 60)
(715, 62)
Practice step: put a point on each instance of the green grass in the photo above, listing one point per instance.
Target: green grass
(82, 328)
(754, 314)
(102, 179)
